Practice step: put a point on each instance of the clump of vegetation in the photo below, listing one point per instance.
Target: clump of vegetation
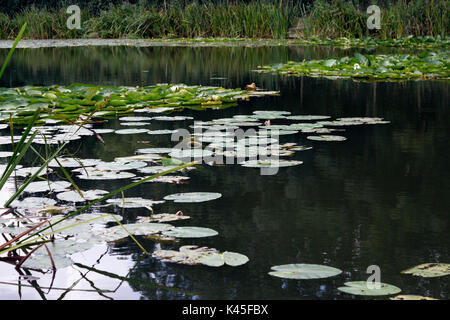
(340, 18)
(229, 19)
(68, 103)
(390, 67)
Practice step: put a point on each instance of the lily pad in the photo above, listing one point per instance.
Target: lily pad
(308, 117)
(411, 297)
(44, 186)
(362, 288)
(429, 270)
(304, 271)
(193, 196)
(190, 232)
(33, 202)
(131, 131)
(326, 138)
(74, 196)
(134, 202)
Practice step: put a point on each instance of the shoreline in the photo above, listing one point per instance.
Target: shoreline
(409, 42)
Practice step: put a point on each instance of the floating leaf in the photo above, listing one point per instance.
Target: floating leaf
(411, 297)
(44, 186)
(326, 138)
(429, 270)
(366, 288)
(304, 271)
(131, 131)
(234, 259)
(163, 217)
(193, 196)
(74, 196)
(134, 202)
(190, 232)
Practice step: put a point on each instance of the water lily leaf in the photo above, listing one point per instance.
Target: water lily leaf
(212, 260)
(155, 150)
(308, 117)
(24, 172)
(188, 255)
(429, 270)
(74, 162)
(121, 165)
(106, 175)
(304, 271)
(74, 196)
(135, 119)
(131, 131)
(168, 179)
(135, 124)
(170, 162)
(190, 232)
(5, 154)
(270, 163)
(161, 131)
(163, 217)
(134, 202)
(44, 186)
(142, 228)
(326, 138)
(234, 259)
(411, 297)
(193, 196)
(42, 262)
(33, 202)
(362, 288)
(174, 118)
(13, 230)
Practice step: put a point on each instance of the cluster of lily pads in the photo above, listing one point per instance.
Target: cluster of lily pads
(59, 103)
(407, 42)
(86, 230)
(382, 67)
(362, 288)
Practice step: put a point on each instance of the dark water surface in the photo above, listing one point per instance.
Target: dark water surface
(379, 198)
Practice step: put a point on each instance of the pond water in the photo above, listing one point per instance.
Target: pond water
(378, 198)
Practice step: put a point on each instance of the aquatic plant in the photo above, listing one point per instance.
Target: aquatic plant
(63, 104)
(382, 67)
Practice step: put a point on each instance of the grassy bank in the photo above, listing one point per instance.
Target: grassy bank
(402, 18)
(233, 19)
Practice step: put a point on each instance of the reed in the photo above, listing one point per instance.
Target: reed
(402, 18)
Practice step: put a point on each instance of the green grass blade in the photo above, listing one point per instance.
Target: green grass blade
(11, 51)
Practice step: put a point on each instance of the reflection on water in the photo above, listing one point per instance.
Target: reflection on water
(380, 198)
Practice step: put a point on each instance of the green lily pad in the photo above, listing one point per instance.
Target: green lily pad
(308, 117)
(326, 138)
(362, 288)
(33, 202)
(270, 163)
(193, 196)
(304, 271)
(131, 131)
(134, 202)
(121, 165)
(44, 186)
(74, 196)
(429, 270)
(190, 232)
(411, 297)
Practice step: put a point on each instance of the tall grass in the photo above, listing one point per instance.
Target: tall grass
(234, 19)
(231, 19)
(402, 18)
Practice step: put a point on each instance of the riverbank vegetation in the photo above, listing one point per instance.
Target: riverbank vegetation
(278, 19)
